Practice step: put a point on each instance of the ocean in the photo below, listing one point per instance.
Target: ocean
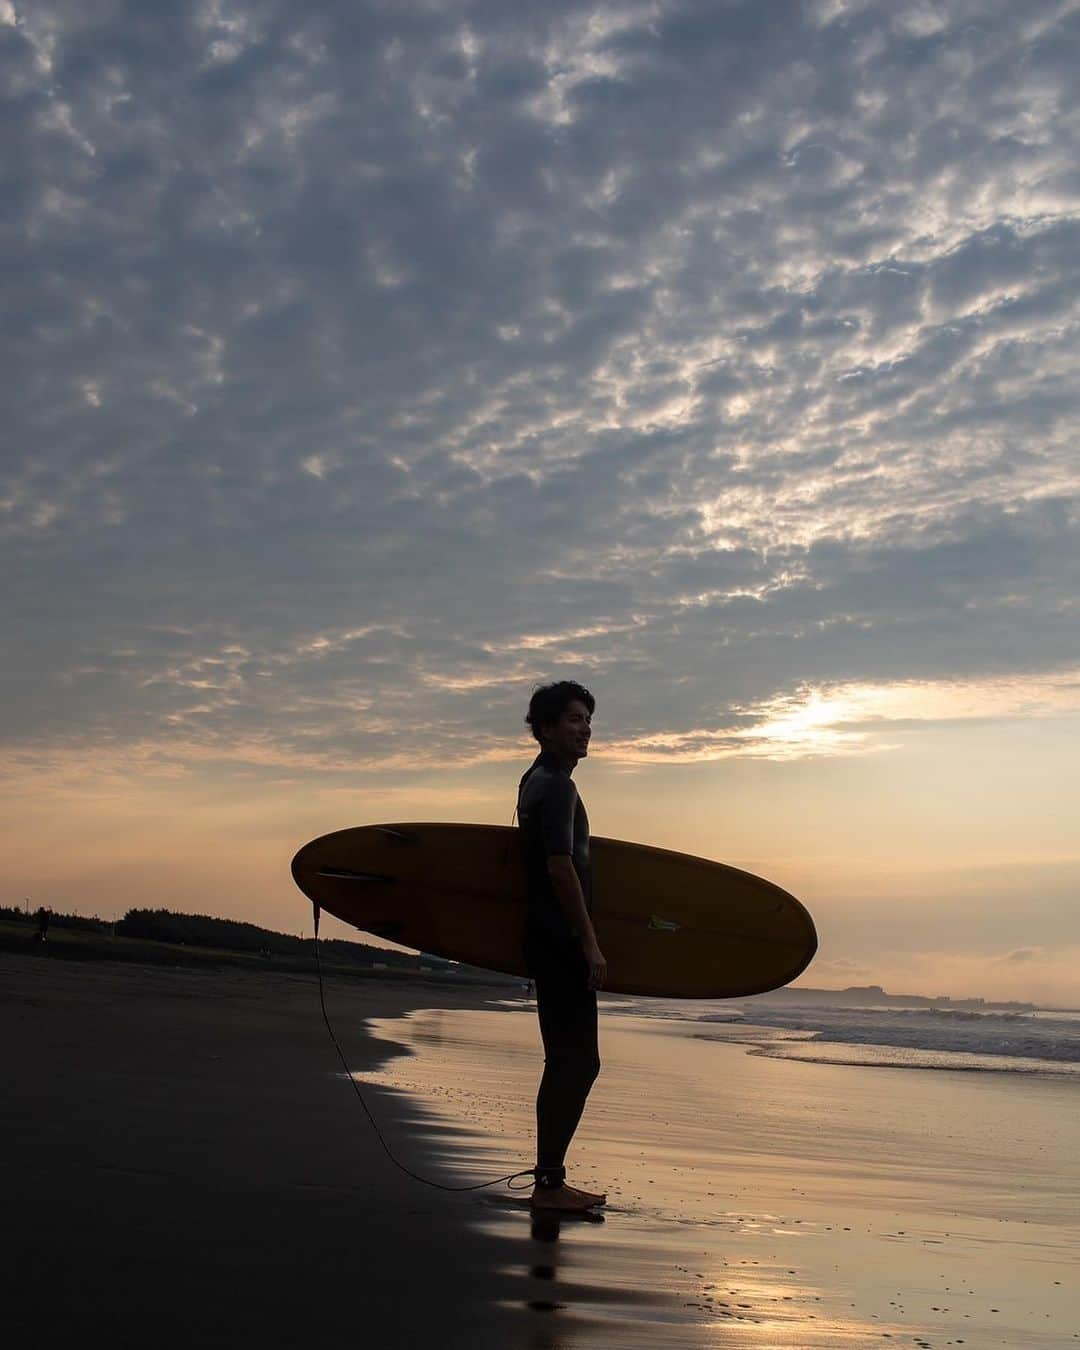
(1042, 1041)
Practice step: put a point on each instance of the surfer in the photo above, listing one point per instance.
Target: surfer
(560, 948)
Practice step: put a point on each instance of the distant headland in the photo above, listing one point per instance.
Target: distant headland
(873, 996)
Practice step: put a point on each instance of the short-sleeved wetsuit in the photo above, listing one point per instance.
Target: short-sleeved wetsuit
(552, 821)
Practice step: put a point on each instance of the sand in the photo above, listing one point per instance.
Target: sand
(187, 1165)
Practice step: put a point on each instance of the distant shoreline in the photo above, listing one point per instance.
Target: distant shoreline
(70, 944)
(873, 996)
(19, 935)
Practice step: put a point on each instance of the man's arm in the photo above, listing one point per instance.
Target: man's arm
(568, 890)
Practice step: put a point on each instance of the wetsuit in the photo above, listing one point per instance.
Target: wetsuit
(551, 821)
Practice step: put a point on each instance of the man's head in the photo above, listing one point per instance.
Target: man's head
(560, 716)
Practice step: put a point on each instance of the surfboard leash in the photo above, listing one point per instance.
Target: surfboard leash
(438, 1185)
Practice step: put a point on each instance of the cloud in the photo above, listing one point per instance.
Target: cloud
(1025, 955)
(839, 969)
(365, 364)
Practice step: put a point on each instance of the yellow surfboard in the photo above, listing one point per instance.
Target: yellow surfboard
(669, 924)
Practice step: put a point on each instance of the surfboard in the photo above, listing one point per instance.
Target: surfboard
(669, 924)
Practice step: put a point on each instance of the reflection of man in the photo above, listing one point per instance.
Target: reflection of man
(560, 947)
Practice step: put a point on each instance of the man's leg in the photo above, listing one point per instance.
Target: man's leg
(568, 1027)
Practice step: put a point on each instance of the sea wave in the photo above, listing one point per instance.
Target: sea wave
(1006, 1036)
(1035, 1041)
(922, 1037)
(892, 1057)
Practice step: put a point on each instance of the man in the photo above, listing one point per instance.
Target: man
(560, 948)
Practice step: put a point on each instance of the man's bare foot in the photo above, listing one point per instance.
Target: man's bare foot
(564, 1199)
(592, 1196)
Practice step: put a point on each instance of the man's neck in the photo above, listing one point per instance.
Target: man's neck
(567, 764)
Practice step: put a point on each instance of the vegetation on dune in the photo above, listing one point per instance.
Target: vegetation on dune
(162, 937)
(207, 933)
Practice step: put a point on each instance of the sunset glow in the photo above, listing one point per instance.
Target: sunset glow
(363, 372)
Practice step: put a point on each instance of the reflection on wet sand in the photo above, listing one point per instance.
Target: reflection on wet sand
(758, 1203)
(749, 1314)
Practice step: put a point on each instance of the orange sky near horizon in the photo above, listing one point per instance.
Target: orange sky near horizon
(945, 864)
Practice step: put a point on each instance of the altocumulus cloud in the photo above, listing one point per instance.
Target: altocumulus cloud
(364, 363)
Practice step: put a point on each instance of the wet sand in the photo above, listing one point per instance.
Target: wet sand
(759, 1202)
(187, 1165)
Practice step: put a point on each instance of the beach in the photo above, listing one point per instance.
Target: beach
(188, 1164)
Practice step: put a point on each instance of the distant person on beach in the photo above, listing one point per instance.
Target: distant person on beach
(42, 924)
(560, 949)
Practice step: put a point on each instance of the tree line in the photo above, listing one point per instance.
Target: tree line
(204, 930)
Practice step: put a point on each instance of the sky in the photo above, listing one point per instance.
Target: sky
(366, 364)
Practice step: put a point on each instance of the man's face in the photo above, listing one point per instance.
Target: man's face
(569, 736)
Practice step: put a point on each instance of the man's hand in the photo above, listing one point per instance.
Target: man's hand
(597, 965)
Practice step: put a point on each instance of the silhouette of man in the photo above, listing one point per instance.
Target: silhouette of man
(560, 948)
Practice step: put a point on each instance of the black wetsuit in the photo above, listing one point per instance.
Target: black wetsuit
(551, 821)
